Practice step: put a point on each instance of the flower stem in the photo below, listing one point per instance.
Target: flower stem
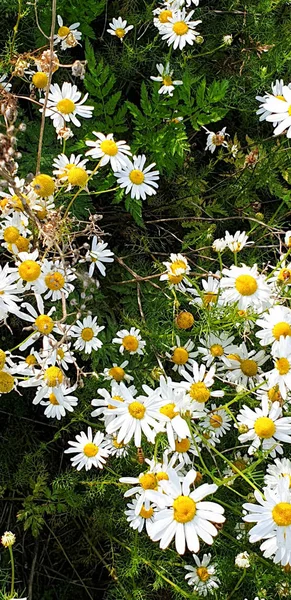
(12, 570)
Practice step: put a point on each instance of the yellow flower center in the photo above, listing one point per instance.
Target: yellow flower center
(60, 353)
(117, 373)
(43, 185)
(44, 324)
(22, 244)
(202, 573)
(31, 360)
(178, 264)
(289, 110)
(53, 400)
(246, 285)
(120, 32)
(118, 398)
(249, 367)
(165, 15)
(29, 270)
(40, 80)
(146, 513)
(53, 376)
(11, 234)
(215, 420)
(162, 476)
(2, 359)
(183, 445)
(54, 280)
(167, 80)
(216, 350)
(90, 450)
(63, 31)
(184, 509)
(180, 28)
(175, 278)
(274, 394)
(281, 98)
(65, 106)
(109, 147)
(199, 392)
(281, 328)
(184, 320)
(116, 444)
(78, 176)
(87, 334)
(148, 481)
(285, 275)
(168, 410)
(264, 427)
(136, 176)
(6, 382)
(136, 410)
(130, 343)
(283, 366)
(180, 356)
(209, 297)
(281, 514)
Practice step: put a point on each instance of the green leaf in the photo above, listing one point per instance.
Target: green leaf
(134, 207)
(200, 94)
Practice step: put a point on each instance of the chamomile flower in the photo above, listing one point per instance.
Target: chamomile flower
(30, 273)
(274, 324)
(130, 341)
(145, 488)
(105, 406)
(265, 427)
(137, 179)
(277, 91)
(281, 276)
(117, 372)
(9, 292)
(216, 420)
(134, 417)
(185, 451)
(244, 366)
(177, 269)
(49, 381)
(144, 517)
(55, 410)
(186, 517)
(281, 373)
(238, 241)
(287, 239)
(209, 296)
(42, 323)
(119, 28)
(202, 577)
(242, 560)
(216, 347)
(64, 105)
(166, 78)
(8, 539)
(179, 29)
(68, 37)
(71, 171)
(98, 255)
(181, 356)
(272, 516)
(246, 287)
(108, 151)
(215, 140)
(57, 279)
(169, 408)
(115, 448)
(279, 111)
(4, 85)
(87, 331)
(90, 450)
(54, 353)
(198, 384)
(219, 244)
(12, 228)
(280, 469)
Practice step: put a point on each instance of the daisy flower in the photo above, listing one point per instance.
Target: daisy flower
(202, 576)
(243, 367)
(119, 28)
(179, 30)
(87, 331)
(242, 560)
(49, 381)
(106, 149)
(30, 273)
(133, 417)
(177, 268)
(119, 450)
(279, 111)
(137, 180)
(105, 406)
(9, 292)
(238, 241)
(117, 372)
(57, 280)
(282, 275)
(185, 451)
(130, 341)
(214, 140)
(280, 469)
(208, 297)
(216, 347)
(55, 410)
(219, 245)
(274, 324)
(90, 450)
(182, 356)
(98, 255)
(144, 517)
(12, 228)
(245, 286)
(42, 322)
(277, 91)
(145, 488)
(4, 85)
(169, 410)
(281, 374)
(63, 105)
(68, 37)
(217, 420)
(54, 353)
(186, 517)
(165, 77)
(287, 238)
(198, 384)
(71, 170)
(272, 516)
(264, 426)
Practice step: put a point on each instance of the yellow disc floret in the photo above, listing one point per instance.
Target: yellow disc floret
(53, 400)
(281, 328)
(215, 420)
(120, 32)
(246, 285)
(130, 343)
(184, 509)
(90, 450)
(109, 147)
(78, 176)
(168, 410)
(117, 373)
(180, 356)
(54, 280)
(63, 31)
(146, 513)
(136, 176)
(167, 80)
(165, 15)
(264, 427)
(136, 410)
(199, 392)
(180, 28)
(6, 382)
(274, 394)
(53, 376)
(29, 270)
(281, 514)
(283, 366)
(44, 324)
(43, 185)
(148, 481)
(162, 476)
(11, 234)
(249, 367)
(40, 80)
(87, 334)
(31, 360)
(2, 359)
(184, 320)
(216, 350)
(22, 244)
(183, 445)
(66, 106)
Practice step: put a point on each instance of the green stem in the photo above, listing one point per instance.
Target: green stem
(15, 28)
(237, 585)
(12, 570)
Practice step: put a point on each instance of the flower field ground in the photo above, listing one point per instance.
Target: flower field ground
(145, 281)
